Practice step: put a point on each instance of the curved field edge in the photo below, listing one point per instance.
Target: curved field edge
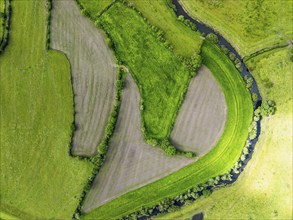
(216, 162)
(35, 135)
(93, 74)
(247, 32)
(259, 193)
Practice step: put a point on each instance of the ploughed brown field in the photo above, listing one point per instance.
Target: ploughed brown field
(130, 162)
(202, 117)
(93, 73)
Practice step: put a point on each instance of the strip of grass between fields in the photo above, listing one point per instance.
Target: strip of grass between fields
(218, 161)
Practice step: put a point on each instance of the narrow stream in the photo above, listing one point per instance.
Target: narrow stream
(203, 28)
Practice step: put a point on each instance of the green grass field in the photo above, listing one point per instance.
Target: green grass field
(95, 7)
(162, 78)
(38, 179)
(160, 15)
(217, 161)
(264, 188)
(248, 25)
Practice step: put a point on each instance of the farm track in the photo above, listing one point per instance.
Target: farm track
(93, 73)
(130, 162)
(202, 117)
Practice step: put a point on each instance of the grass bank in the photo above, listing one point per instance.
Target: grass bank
(248, 25)
(264, 189)
(218, 161)
(38, 177)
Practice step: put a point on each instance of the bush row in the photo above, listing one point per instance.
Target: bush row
(98, 160)
(187, 22)
(5, 25)
(49, 7)
(232, 57)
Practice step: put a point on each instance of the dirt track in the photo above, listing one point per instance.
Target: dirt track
(93, 73)
(130, 162)
(202, 117)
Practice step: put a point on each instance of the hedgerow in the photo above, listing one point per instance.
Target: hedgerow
(98, 160)
(5, 25)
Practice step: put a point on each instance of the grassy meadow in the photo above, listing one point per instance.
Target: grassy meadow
(264, 189)
(38, 178)
(94, 7)
(161, 76)
(160, 14)
(217, 161)
(248, 25)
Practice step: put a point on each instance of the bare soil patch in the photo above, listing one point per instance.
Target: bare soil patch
(93, 73)
(130, 163)
(202, 117)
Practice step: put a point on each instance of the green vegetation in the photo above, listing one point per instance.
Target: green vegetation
(162, 78)
(160, 15)
(94, 8)
(38, 179)
(259, 193)
(2, 7)
(218, 161)
(5, 14)
(248, 25)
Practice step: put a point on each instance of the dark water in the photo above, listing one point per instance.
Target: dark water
(198, 216)
(202, 28)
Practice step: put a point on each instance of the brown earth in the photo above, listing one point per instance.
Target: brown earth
(202, 117)
(93, 73)
(130, 162)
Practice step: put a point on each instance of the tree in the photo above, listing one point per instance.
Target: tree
(212, 38)
(254, 97)
(170, 150)
(268, 107)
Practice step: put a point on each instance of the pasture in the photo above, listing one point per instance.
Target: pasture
(160, 14)
(162, 78)
(130, 163)
(201, 119)
(38, 178)
(93, 73)
(94, 8)
(263, 190)
(248, 25)
(218, 161)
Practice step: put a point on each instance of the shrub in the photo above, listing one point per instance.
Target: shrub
(232, 56)
(206, 193)
(212, 38)
(268, 107)
(224, 49)
(170, 150)
(248, 82)
(254, 96)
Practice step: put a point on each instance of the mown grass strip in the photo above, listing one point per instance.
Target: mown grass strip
(218, 161)
(36, 117)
